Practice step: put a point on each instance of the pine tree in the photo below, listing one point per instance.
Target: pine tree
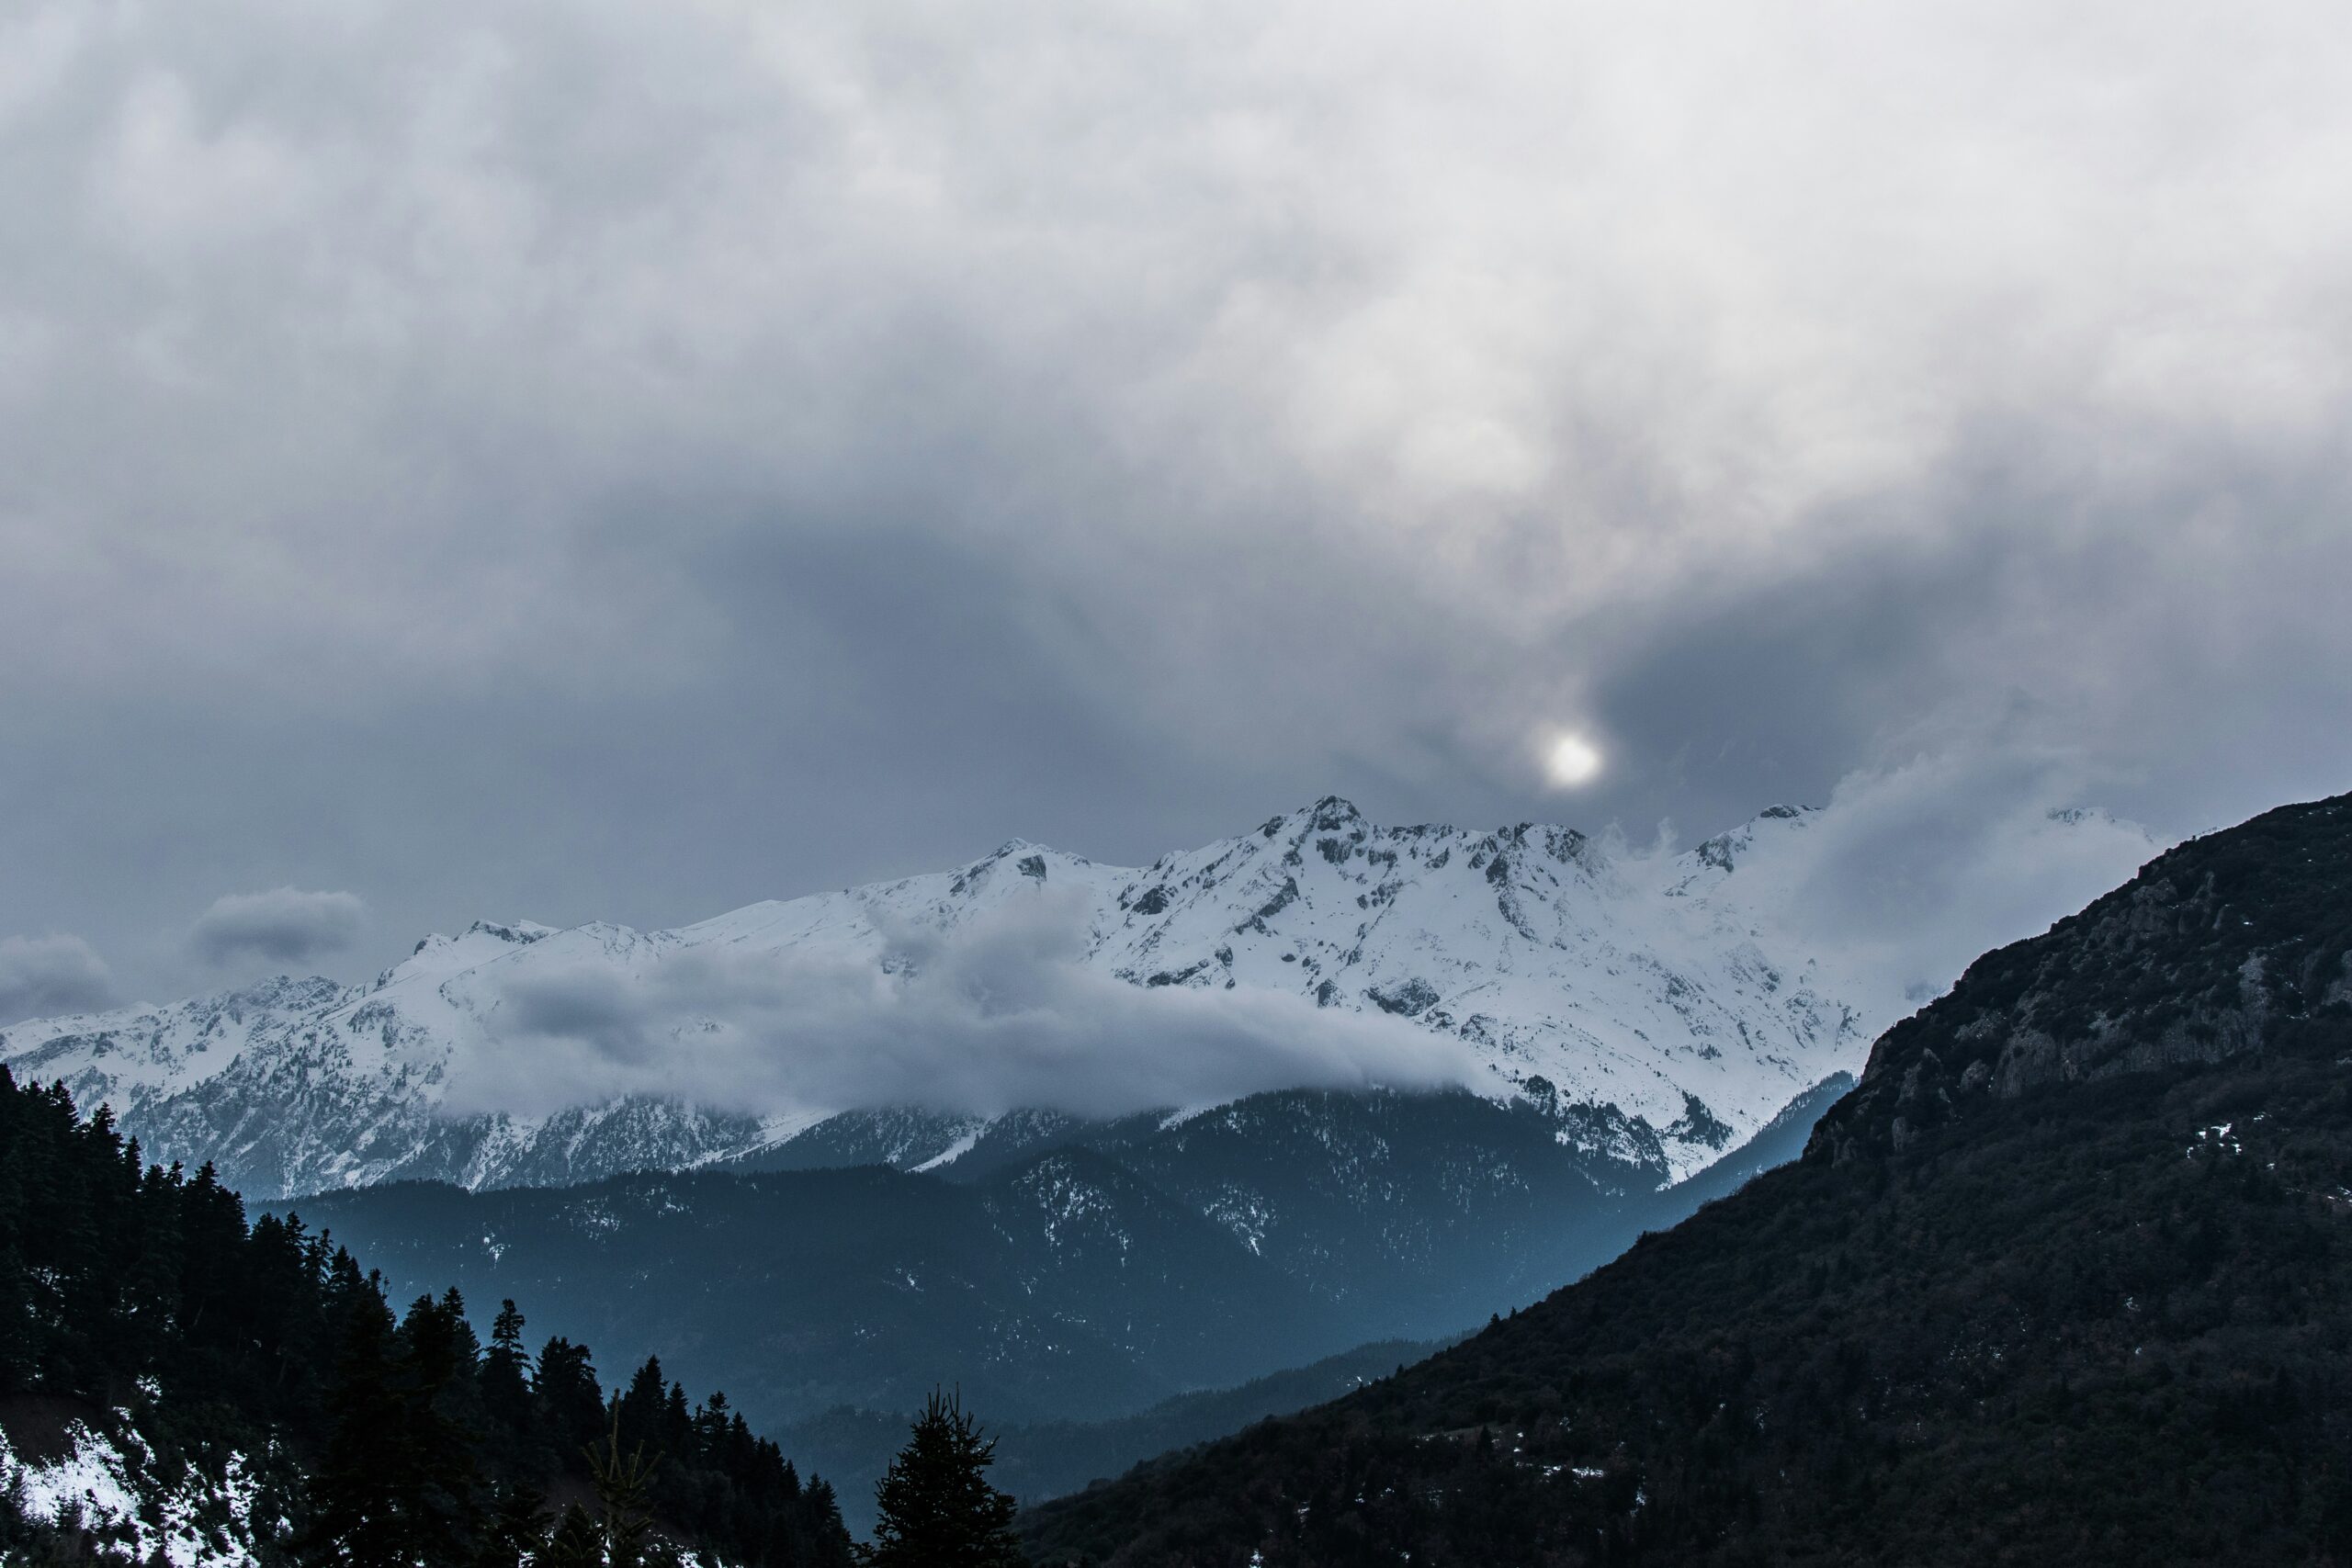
(504, 1381)
(624, 1487)
(515, 1531)
(568, 1404)
(677, 1436)
(359, 1512)
(441, 1406)
(577, 1542)
(505, 1351)
(641, 1405)
(934, 1508)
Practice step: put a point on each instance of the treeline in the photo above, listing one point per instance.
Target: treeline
(367, 1436)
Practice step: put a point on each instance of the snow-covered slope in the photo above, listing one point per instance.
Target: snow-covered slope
(1666, 997)
(102, 1482)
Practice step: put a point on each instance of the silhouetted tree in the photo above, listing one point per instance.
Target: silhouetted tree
(505, 1378)
(359, 1510)
(569, 1404)
(935, 1509)
(577, 1543)
(515, 1531)
(442, 1412)
(624, 1489)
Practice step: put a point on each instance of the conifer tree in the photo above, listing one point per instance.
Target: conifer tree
(567, 1402)
(641, 1405)
(624, 1488)
(440, 1408)
(515, 1532)
(505, 1348)
(677, 1425)
(359, 1512)
(504, 1379)
(934, 1508)
(577, 1542)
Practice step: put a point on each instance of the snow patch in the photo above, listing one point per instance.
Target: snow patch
(106, 1486)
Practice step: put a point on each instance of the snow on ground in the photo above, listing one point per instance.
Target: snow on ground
(99, 1484)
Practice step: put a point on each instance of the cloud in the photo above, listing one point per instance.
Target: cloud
(46, 976)
(996, 1014)
(511, 454)
(1903, 876)
(1909, 873)
(283, 925)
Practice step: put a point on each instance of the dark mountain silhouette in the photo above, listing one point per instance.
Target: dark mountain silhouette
(2063, 1279)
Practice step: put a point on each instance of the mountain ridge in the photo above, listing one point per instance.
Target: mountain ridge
(1662, 1003)
(2059, 1280)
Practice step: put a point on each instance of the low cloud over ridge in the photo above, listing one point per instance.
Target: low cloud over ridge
(995, 1015)
(1902, 878)
(283, 925)
(1910, 873)
(45, 975)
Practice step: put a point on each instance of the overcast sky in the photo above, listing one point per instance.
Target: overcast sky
(624, 460)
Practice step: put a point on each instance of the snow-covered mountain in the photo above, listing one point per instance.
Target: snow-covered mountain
(1661, 1006)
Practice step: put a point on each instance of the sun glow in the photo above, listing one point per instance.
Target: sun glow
(1571, 760)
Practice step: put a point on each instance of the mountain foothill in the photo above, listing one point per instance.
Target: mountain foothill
(2052, 1273)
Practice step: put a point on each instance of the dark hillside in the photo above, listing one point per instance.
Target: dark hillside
(1048, 1458)
(2068, 1279)
(1065, 1287)
(1088, 1275)
(256, 1369)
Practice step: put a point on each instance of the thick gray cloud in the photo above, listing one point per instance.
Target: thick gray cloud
(625, 459)
(282, 926)
(995, 1015)
(1910, 872)
(44, 975)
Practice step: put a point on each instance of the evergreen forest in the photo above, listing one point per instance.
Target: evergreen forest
(264, 1359)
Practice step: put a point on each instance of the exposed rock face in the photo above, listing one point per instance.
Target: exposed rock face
(2219, 948)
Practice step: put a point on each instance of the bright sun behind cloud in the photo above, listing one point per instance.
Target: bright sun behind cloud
(1571, 760)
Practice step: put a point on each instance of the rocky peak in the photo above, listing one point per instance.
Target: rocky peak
(2230, 943)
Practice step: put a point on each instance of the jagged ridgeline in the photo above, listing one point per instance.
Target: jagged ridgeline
(2067, 1278)
(1663, 1009)
(178, 1385)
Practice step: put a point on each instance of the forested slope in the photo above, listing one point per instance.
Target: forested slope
(247, 1393)
(2065, 1279)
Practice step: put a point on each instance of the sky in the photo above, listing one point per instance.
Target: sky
(623, 460)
